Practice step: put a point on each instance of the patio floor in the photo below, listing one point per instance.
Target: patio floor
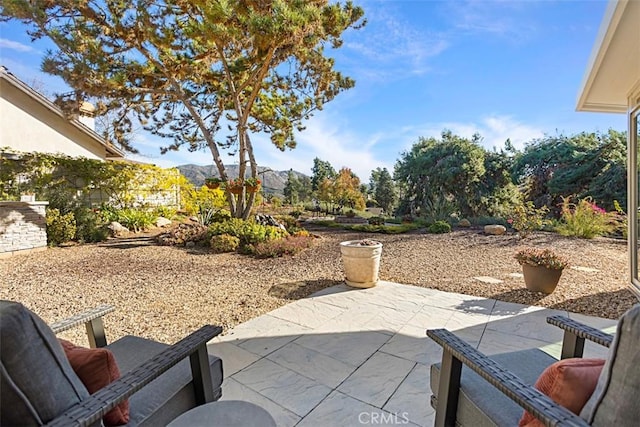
(345, 356)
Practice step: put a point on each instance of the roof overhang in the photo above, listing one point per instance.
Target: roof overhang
(111, 152)
(613, 72)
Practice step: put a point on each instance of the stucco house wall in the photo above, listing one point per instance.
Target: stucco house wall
(31, 123)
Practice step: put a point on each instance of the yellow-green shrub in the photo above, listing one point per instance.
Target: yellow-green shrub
(60, 228)
(224, 243)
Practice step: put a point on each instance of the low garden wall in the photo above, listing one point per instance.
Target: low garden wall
(23, 227)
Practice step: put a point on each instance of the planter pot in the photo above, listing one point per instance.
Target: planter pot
(235, 190)
(252, 188)
(540, 279)
(212, 185)
(361, 263)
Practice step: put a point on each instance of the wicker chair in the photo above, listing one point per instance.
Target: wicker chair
(464, 396)
(156, 378)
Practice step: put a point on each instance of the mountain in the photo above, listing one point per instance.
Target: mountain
(272, 181)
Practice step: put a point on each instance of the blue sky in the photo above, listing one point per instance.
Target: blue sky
(502, 68)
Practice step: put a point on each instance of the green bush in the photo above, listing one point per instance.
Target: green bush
(527, 218)
(165, 211)
(439, 227)
(585, 219)
(376, 220)
(134, 219)
(90, 226)
(224, 243)
(60, 228)
(248, 232)
(290, 222)
(295, 213)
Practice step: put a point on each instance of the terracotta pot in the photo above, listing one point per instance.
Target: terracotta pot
(253, 188)
(235, 190)
(212, 185)
(361, 263)
(540, 279)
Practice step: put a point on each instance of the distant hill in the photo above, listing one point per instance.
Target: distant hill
(272, 181)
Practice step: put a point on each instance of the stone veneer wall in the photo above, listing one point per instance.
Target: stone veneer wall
(23, 227)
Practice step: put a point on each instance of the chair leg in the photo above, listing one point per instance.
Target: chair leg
(448, 390)
(95, 333)
(572, 346)
(201, 373)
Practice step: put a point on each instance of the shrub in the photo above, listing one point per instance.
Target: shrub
(527, 218)
(585, 219)
(289, 221)
(350, 213)
(248, 232)
(541, 258)
(277, 248)
(165, 212)
(90, 226)
(301, 233)
(60, 228)
(295, 213)
(224, 243)
(206, 216)
(135, 219)
(439, 227)
(376, 220)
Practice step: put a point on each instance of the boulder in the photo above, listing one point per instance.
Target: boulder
(495, 229)
(117, 228)
(162, 222)
(464, 223)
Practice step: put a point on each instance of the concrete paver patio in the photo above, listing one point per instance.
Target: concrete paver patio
(345, 356)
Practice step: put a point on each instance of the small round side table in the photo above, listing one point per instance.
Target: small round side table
(227, 413)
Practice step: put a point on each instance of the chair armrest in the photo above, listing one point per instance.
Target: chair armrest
(529, 398)
(574, 335)
(194, 346)
(93, 322)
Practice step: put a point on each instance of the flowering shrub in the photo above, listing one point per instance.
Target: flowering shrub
(527, 218)
(586, 219)
(541, 258)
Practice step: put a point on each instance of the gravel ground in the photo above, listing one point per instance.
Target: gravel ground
(163, 293)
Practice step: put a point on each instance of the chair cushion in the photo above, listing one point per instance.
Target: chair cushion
(36, 379)
(569, 382)
(480, 404)
(615, 400)
(166, 397)
(96, 368)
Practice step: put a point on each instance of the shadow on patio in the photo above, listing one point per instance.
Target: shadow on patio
(349, 357)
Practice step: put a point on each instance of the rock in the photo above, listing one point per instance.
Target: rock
(117, 228)
(496, 230)
(194, 219)
(162, 222)
(464, 223)
(190, 244)
(264, 219)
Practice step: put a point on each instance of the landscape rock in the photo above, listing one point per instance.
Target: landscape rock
(264, 219)
(495, 229)
(117, 228)
(162, 222)
(464, 223)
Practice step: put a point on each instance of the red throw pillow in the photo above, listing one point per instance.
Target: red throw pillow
(569, 382)
(96, 367)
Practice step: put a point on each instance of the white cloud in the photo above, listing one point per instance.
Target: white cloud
(504, 18)
(326, 138)
(391, 47)
(13, 45)
(494, 130)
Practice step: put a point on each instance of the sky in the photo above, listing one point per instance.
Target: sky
(500, 68)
